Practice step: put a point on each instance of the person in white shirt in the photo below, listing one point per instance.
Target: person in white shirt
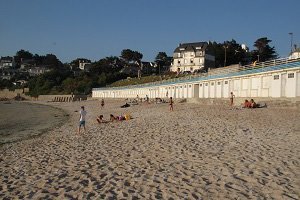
(82, 119)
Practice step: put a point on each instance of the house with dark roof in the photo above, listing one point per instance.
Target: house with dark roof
(191, 57)
(7, 62)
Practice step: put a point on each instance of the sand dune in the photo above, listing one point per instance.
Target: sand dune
(195, 152)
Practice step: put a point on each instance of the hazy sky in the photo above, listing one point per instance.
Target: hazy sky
(95, 29)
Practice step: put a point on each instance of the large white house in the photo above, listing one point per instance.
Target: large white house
(191, 57)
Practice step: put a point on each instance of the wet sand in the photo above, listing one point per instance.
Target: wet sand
(195, 152)
(22, 120)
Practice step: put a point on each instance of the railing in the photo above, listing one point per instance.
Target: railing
(261, 65)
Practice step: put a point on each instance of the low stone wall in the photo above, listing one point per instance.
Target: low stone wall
(62, 98)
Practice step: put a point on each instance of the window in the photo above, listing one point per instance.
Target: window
(190, 86)
(200, 85)
(276, 77)
(185, 86)
(206, 84)
(291, 75)
(178, 61)
(192, 61)
(226, 82)
(212, 83)
(219, 83)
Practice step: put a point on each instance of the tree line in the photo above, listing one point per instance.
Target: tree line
(67, 78)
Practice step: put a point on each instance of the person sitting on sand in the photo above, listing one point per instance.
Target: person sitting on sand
(100, 119)
(120, 117)
(112, 118)
(247, 104)
(253, 104)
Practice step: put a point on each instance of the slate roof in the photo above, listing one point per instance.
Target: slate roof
(190, 46)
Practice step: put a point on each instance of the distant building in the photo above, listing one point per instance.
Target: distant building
(35, 71)
(20, 82)
(7, 62)
(148, 67)
(27, 63)
(84, 65)
(191, 57)
(244, 47)
(295, 54)
(8, 73)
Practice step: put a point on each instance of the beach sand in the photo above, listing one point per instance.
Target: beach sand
(194, 152)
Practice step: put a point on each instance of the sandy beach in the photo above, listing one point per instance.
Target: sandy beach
(194, 152)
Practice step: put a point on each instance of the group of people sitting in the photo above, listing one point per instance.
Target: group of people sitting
(113, 118)
(252, 104)
(249, 104)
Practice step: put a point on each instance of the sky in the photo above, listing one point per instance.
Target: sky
(95, 29)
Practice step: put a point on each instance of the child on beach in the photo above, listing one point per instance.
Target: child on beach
(171, 104)
(82, 119)
(231, 98)
(102, 103)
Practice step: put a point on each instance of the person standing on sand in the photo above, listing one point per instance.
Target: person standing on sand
(231, 98)
(82, 119)
(102, 103)
(171, 104)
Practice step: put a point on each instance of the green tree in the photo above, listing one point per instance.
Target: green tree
(69, 85)
(130, 56)
(52, 61)
(234, 53)
(22, 55)
(162, 61)
(263, 51)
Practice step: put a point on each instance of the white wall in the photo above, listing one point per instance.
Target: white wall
(298, 85)
(212, 89)
(291, 83)
(201, 90)
(278, 83)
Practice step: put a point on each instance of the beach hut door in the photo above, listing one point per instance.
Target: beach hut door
(283, 84)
